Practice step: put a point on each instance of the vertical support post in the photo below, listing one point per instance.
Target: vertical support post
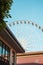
(15, 59)
(11, 58)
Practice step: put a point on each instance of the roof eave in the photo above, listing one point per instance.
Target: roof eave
(7, 34)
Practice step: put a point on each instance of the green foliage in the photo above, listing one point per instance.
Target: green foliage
(2, 25)
(5, 6)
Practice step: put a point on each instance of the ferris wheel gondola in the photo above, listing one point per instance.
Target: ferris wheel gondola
(26, 22)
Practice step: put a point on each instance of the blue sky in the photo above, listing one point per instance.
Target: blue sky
(30, 37)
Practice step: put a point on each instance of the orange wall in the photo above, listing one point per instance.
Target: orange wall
(26, 59)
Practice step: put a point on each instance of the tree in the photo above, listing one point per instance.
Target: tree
(5, 6)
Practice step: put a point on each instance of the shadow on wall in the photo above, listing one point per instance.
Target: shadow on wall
(30, 64)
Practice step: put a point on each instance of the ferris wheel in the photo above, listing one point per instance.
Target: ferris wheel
(28, 34)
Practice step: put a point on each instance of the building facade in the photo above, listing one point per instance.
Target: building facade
(33, 58)
(9, 46)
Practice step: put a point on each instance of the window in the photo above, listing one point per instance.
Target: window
(7, 53)
(0, 48)
(4, 51)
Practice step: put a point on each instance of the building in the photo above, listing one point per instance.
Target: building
(9, 46)
(30, 58)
